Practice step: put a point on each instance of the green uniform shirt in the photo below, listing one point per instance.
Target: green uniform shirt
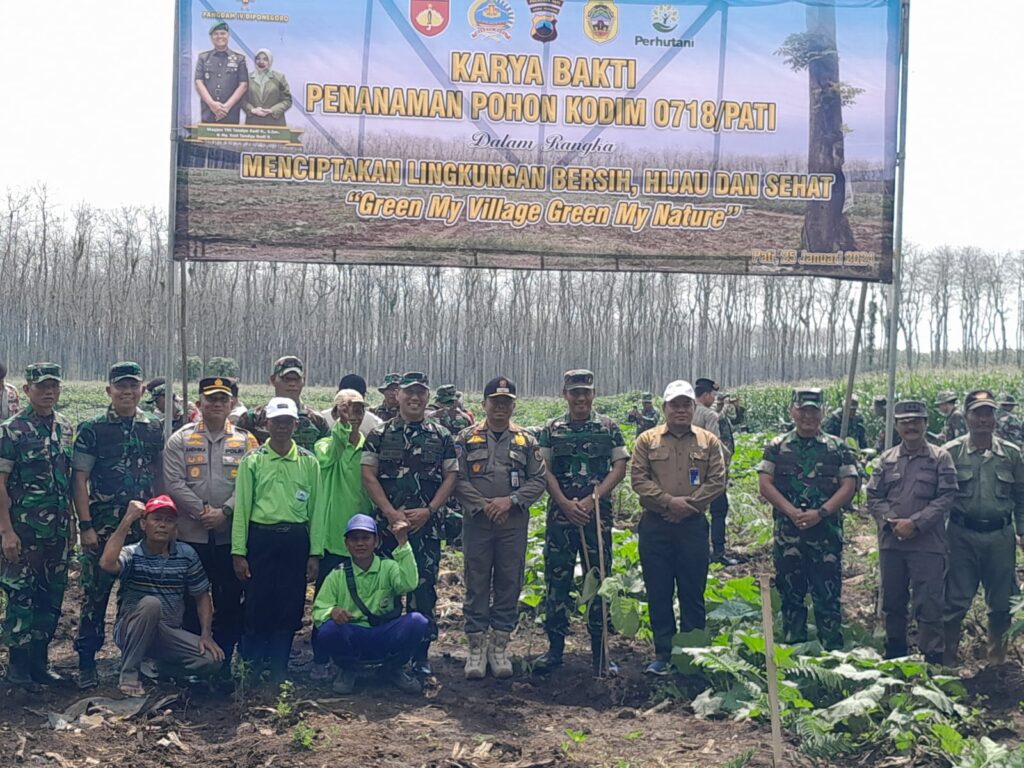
(35, 453)
(991, 483)
(272, 488)
(342, 485)
(378, 586)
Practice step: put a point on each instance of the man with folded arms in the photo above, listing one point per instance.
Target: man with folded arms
(155, 575)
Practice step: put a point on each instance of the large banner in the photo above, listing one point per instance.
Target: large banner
(727, 136)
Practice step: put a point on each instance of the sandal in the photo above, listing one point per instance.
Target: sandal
(133, 689)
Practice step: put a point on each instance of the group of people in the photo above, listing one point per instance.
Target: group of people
(226, 88)
(215, 535)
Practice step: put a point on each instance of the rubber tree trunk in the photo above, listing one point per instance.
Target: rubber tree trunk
(826, 228)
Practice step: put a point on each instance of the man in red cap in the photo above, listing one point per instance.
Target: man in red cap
(155, 575)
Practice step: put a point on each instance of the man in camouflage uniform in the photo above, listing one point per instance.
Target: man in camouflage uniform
(389, 389)
(584, 451)
(808, 476)
(956, 424)
(1008, 424)
(989, 504)
(855, 429)
(156, 399)
(646, 416)
(117, 459)
(288, 379)
(35, 524)
(409, 471)
(453, 418)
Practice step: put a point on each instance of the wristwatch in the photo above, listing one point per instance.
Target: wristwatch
(514, 498)
(85, 525)
(823, 512)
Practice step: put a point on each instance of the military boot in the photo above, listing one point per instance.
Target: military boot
(497, 655)
(40, 664)
(19, 669)
(997, 628)
(552, 658)
(895, 649)
(597, 658)
(951, 642)
(476, 662)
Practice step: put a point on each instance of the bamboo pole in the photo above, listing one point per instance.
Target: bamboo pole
(603, 670)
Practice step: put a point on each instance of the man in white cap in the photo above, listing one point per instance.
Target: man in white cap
(677, 471)
(277, 523)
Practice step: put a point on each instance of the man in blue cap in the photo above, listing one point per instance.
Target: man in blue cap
(358, 610)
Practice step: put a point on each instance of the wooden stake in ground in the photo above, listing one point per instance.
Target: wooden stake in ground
(603, 669)
(768, 627)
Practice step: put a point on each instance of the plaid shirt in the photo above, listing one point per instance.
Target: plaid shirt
(10, 404)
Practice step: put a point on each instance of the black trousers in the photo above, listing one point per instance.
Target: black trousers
(275, 595)
(719, 511)
(226, 590)
(674, 558)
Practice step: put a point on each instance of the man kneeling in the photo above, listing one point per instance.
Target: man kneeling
(155, 573)
(358, 611)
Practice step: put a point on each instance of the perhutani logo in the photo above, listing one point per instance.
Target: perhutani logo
(662, 42)
(664, 17)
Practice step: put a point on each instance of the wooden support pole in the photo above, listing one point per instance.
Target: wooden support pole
(767, 624)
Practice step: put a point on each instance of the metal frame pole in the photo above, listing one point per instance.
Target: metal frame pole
(897, 240)
(171, 217)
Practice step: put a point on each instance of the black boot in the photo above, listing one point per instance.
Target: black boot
(895, 649)
(933, 658)
(597, 657)
(87, 676)
(552, 658)
(280, 651)
(40, 664)
(19, 670)
(421, 661)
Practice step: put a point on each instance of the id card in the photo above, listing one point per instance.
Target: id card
(694, 476)
(513, 478)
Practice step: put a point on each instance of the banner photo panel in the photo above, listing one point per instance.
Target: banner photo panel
(728, 136)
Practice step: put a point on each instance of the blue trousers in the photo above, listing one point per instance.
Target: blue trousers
(350, 645)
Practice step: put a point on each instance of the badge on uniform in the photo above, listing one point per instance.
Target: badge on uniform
(513, 478)
(302, 496)
(694, 476)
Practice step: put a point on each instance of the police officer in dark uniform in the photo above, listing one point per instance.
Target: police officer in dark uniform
(222, 78)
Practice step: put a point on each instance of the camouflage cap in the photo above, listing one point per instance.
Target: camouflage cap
(38, 372)
(647, 397)
(390, 380)
(979, 398)
(945, 396)
(910, 409)
(809, 397)
(578, 379)
(1005, 398)
(125, 370)
(446, 393)
(288, 364)
(414, 379)
(220, 25)
(156, 388)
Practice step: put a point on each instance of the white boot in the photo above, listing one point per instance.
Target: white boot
(497, 655)
(476, 662)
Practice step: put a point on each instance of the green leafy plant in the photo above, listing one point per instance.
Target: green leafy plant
(285, 705)
(303, 736)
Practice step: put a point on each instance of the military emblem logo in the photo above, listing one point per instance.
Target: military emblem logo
(430, 17)
(544, 28)
(601, 20)
(664, 17)
(491, 19)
